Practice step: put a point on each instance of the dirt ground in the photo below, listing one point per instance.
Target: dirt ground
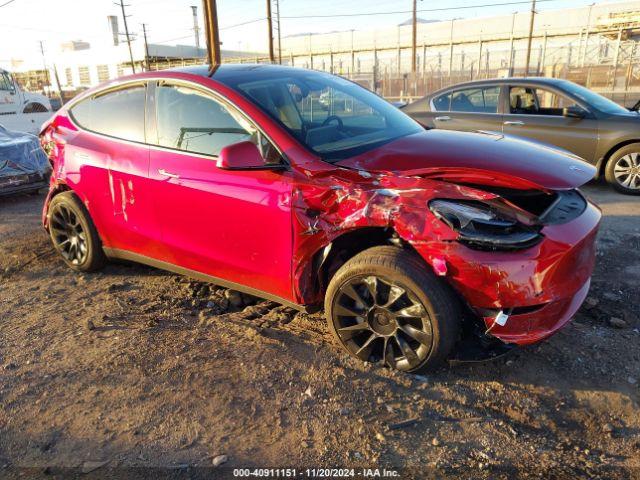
(135, 367)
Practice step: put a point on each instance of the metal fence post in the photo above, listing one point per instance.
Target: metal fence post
(375, 70)
(616, 57)
(544, 52)
(451, 51)
(586, 37)
(513, 21)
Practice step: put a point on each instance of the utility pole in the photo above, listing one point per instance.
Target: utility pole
(212, 32)
(277, 2)
(414, 38)
(533, 16)
(270, 32)
(513, 22)
(196, 29)
(146, 46)
(126, 30)
(44, 64)
(55, 73)
(47, 76)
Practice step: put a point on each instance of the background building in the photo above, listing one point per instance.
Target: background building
(596, 46)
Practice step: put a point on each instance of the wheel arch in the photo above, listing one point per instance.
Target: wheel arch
(59, 188)
(602, 163)
(328, 259)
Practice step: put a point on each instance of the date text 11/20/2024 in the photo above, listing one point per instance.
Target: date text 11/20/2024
(315, 472)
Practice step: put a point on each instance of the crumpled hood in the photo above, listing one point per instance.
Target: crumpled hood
(477, 158)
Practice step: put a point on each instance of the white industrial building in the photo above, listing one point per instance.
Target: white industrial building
(579, 28)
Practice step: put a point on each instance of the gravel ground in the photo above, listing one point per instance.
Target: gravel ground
(135, 367)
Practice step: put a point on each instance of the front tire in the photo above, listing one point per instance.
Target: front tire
(384, 304)
(623, 170)
(73, 234)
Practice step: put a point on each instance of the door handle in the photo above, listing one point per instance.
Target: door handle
(444, 118)
(514, 123)
(164, 173)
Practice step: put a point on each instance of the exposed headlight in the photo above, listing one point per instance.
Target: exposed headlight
(481, 227)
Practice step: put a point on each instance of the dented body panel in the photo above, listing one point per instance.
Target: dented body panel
(271, 230)
(464, 154)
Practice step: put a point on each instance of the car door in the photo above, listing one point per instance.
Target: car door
(9, 97)
(468, 109)
(536, 113)
(107, 165)
(230, 224)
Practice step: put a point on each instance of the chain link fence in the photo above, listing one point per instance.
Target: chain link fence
(606, 63)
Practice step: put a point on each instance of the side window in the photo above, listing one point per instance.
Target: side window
(442, 103)
(118, 113)
(537, 101)
(5, 82)
(192, 121)
(478, 100)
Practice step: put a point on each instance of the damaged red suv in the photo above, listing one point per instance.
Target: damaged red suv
(304, 188)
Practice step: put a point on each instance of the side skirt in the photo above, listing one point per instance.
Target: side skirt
(115, 253)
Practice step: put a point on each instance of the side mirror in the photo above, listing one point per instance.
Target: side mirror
(573, 112)
(240, 156)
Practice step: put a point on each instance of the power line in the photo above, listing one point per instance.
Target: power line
(7, 3)
(173, 39)
(247, 23)
(443, 9)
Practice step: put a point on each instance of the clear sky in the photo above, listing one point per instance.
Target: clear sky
(23, 23)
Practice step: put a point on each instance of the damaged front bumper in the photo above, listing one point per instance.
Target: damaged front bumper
(540, 289)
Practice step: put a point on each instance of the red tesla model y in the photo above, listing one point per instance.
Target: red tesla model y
(307, 189)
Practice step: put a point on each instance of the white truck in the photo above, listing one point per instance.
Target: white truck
(19, 110)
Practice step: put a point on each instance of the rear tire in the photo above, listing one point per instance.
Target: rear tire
(623, 170)
(385, 304)
(73, 233)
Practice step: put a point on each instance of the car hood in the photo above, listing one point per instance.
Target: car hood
(477, 158)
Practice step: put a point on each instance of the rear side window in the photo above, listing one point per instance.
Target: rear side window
(191, 120)
(118, 113)
(478, 100)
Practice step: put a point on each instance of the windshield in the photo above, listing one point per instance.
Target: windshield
(592, 98)
(333, 117)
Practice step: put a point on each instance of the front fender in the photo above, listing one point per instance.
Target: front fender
(344, 201)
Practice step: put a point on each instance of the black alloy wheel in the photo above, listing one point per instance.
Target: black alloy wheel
(386, 305)
(68, 236)
(377, 319)
(73, 233)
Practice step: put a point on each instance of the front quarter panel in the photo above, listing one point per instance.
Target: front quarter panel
(615, 131)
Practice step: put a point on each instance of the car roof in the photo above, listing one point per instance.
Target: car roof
(546, 81)
(227, 70)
